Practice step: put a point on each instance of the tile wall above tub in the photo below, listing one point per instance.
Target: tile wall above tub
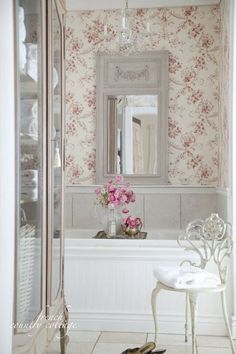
(159, 207)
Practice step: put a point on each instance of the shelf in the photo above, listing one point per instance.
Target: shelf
(26, 140)
(28, 87)
(28, 201)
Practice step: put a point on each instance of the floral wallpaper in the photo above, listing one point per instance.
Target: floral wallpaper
(224, 102)
(191, 34)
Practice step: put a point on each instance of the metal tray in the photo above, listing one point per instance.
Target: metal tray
(139, 236)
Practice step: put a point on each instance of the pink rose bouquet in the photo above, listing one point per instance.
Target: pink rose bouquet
(115, 194)
(132, 222)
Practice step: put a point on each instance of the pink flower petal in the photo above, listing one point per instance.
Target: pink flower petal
(125, 211)
(119, 178)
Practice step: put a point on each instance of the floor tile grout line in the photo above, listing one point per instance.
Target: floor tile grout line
(96, 342)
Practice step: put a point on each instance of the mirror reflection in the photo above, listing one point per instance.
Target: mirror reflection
(132, 134)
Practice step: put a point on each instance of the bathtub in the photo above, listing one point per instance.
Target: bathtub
(108, 285)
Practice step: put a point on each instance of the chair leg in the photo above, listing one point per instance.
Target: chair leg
(193, 310)
(223, 300)
(186, 318)
(154, 297)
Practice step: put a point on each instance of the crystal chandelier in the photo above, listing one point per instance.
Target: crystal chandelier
(126, 34)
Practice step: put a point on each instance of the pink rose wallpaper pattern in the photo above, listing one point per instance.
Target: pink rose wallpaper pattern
(192, 36)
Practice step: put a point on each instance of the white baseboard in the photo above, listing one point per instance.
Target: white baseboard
(170, 324)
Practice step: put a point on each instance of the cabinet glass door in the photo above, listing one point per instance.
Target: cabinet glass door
(57, 176)
(29, 147)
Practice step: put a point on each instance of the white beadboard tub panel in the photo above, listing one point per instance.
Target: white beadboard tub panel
(109, 283)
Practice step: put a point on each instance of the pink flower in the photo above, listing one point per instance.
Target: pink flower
(132, 222)
(116, 203)
(117, 193)
(125, 211)
(111, 193)
(119, 178)
(111, 197)
(97, 190)
(131, 196)
(111, 188)
(123, 198)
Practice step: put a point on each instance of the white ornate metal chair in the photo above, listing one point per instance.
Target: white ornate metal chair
(211, 240)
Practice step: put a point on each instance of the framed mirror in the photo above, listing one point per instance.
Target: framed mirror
(132, 117)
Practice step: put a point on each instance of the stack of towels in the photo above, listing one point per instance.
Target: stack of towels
(186, 278)
(29, 118)
(29, 182)
(22, 36)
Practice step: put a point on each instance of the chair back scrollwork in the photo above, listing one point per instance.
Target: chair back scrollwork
(211, 239)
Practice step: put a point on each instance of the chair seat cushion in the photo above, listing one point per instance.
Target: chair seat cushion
(186, 278)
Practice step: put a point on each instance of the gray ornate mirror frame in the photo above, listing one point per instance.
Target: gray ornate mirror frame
(131, 91)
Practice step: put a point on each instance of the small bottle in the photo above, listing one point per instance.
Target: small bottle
(112, 228)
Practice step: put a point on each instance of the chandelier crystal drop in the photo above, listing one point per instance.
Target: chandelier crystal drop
(126, 35)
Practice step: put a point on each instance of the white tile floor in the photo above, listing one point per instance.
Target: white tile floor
(82, 342)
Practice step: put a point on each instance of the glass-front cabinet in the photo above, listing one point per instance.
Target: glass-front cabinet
(39, 292)
(31, 166)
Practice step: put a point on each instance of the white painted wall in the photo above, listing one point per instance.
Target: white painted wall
(7, 175)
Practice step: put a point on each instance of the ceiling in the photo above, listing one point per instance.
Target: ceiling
(76, 5)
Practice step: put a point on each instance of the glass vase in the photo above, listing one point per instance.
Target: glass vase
(109, 219)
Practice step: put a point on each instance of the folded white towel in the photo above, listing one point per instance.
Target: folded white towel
(29, 178)
(22, 56)
(182, 278)
(29, 194)
(32, 61)
(29, 174)
(21, 35)
(21, 14)
(29, 182)
(22, 32)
